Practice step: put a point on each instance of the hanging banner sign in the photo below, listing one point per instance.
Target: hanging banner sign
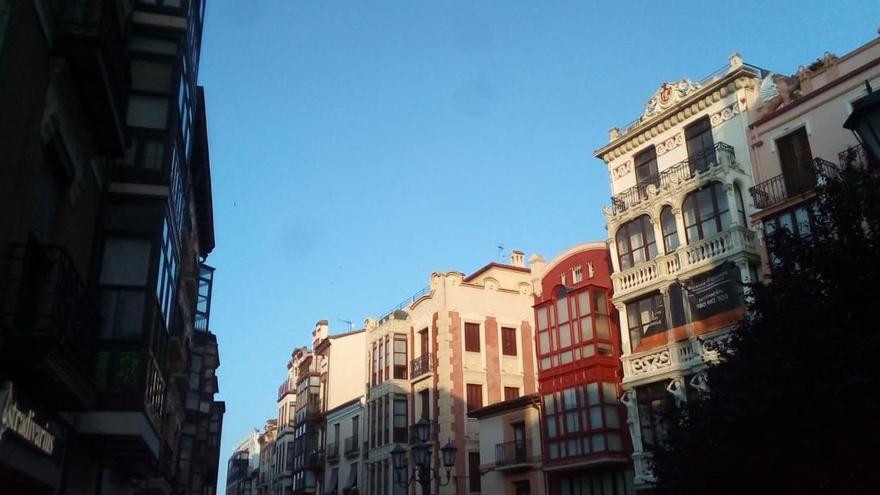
(22, 422)
(714, 292)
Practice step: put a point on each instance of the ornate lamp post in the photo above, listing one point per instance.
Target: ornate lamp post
(421, 451)
(864, 122)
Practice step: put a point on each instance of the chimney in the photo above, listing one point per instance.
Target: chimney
(320, 332)
(517, 258)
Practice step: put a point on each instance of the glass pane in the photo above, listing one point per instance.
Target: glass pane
(569, 400)
(593, 393)
(803, 221)
(548, 404)
(601, 305)
(586, 328)
(588, 351)
(612, 417)
(595, 417)
(126, 262)
(147, 111)
(565, 357)
(598, 443)
(602, 330)
(564, 335)
(542, 318)
(551, 426)
(573, 305)
(584, 302)
(543, 342)
(615, 442)
(150, 76)
(122, 313)
(545, 363)
(609, 393)
(561, 310)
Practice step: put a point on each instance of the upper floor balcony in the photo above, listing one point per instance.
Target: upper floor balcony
(421, 365)
(513, 455)
(332, 451)
(50, 325)
(798, 181)
(691, 173)
(352, 446)
(91, 35)
(710, 251)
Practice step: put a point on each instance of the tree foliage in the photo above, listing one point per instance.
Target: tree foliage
(794, 405)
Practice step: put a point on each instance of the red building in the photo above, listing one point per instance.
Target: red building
(586, 448)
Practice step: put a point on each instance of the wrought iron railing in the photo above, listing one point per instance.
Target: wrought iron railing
(784, 186)
(406, 302)
(421, 365)
(352, 444)
(698, 162)
(45, 298)
(511, 453)
(855, 156)
(332, 451)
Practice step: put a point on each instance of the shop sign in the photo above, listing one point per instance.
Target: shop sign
(23, 423)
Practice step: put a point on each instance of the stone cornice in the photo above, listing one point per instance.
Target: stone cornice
(693, 104)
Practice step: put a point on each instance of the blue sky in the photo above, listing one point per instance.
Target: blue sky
(358, 146)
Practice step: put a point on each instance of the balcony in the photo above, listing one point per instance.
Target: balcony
(774, 191)
(677, 357)
(332, 451)
(706, 252)
(705, 163)
(91, 35)
(50, 325)
(512, 455)
(352, 446)
(314, 461)
(421, 365)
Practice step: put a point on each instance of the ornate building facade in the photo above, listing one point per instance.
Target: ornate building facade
(680, 241)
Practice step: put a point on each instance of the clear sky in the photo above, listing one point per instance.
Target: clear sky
(358, 146)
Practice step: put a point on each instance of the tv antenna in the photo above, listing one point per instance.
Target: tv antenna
(350, 324)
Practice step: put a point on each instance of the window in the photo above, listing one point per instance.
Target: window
(150, 112)
(474, 472)
(375, 361)
(645, 317)
(653, 403)
(150, 76)
(381, 360)
(796, 160)
(646, 167)
(474, 397)
(577, 274)
(126, 261)
(706, 212)
(635, 242)
(700, 145)
(424, 399)
(508, 341)
(583, 420)
(400, 420)
(511, 393)
(472, 337)
(522, 487)
(387, 357)
(400, 357)
(670, 230)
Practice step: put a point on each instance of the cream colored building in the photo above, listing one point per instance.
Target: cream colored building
(680, 239)
(510, 447)
(469, 343)
(282, 465)
(345, 432)
(795, 143)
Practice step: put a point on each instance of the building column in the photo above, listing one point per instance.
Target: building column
(626, 347)
(733, 205)
(679, 225)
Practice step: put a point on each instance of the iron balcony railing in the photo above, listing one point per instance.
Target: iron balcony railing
(352, 444)
(421, 365)
(699, 162)
(332, 451)
(46, 300)
(314, 460)
(784, 186)
(512, 453)
(855, 156)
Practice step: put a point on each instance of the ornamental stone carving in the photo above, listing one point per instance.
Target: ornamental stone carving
(670, 144)
(651, 362)
(622, 169)
(726, 113)
(668, 95)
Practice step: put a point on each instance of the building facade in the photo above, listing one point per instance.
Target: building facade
(243, 469)
(578, 346)
(469, 343)
(510, 447)
(680, 241)
(343, 448)
(105, 226)
(797, 138)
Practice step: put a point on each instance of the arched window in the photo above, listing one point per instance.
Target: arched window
(706, 212)
(670, 230)
(635, 242)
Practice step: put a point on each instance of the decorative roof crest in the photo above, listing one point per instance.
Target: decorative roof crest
(668, 95)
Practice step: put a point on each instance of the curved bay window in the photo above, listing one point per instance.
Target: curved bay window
(706, 212)
(645, 317)
(670, 230)
(575, 326)
(583, 420)
(635, 242)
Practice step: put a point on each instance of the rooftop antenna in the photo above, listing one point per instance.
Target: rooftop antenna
(350, 324)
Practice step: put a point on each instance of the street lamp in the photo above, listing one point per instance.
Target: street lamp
(864, 122)
(424, 474)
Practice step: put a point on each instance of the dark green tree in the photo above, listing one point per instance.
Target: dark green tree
(794, 404)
